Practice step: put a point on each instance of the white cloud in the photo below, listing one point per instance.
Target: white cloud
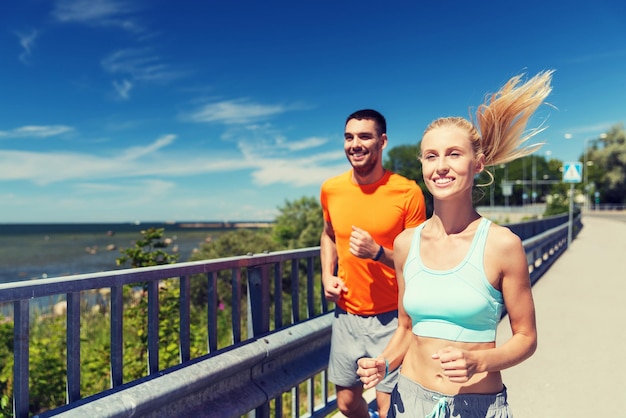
(97, 13)
(296, 172)
(137, 152)
(27, 41)
(598, 56)
(588, 130)
(34, 131)
(137, 192)
(50, 167)
(153, 161)
(140, 64)
(265, 141)
(306, 143)
(123, 88)
(239, 111)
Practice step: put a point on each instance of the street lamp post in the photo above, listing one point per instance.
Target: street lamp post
(586, 164)
(586, 175)
(533, 193)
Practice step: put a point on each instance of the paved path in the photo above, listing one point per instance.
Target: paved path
(579, 368)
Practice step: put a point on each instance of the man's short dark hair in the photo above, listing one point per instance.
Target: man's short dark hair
(381, 123)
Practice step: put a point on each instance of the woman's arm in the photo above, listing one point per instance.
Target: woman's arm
(372, 370)
(507, 268)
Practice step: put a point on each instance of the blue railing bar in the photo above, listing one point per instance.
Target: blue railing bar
(153, 326)
(73, 347)
(184, 320)
(263, 321)
(117, 327)
(236, 305)
(212, 311)
(259, 301)
(21, 337)
(310, 287)
(529, 243)
(325, 387)
(545, 248)
(295, 405)
(278, 295)
(295, 290)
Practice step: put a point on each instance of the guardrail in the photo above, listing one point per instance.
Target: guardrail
(271, 360)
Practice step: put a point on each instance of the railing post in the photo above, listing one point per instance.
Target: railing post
(117, 335)
(212, 311)
(153, 326)
(235, 283)
(259, 316)
(295, 289)
(258, 301)
(73, 347)
(21, 336)
(185, 319)
(310, 287)
(278, 295)
(571, 213)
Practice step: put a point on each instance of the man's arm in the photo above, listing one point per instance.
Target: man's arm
(362, 245)
(333, 285)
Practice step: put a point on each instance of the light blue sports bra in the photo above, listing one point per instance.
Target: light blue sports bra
(457, 304)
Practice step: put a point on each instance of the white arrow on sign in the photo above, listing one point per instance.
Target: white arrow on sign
(572, 172)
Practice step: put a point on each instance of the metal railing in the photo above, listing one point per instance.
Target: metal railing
(266, 361)
(256, 274)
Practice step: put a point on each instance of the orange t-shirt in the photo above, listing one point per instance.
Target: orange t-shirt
(384, 209)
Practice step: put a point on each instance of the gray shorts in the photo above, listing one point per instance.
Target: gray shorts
(356, 336)
(411, 400)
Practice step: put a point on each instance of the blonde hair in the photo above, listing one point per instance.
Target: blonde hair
(498, 130)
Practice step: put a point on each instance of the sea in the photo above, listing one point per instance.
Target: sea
(35, 251)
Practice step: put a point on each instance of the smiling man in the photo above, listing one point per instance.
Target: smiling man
(364, 209)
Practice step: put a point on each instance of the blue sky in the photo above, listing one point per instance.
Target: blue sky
(155, 110)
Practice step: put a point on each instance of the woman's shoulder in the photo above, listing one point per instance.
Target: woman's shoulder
(404, 238)
(503, 237)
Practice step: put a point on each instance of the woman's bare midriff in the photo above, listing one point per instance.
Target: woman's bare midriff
(419, 366)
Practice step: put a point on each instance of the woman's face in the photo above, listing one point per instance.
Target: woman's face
(448, 162)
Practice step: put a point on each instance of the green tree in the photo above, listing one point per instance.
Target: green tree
(533, 173)
(6, 367)
(47, 364)
(228, 244)
(403, 160)
(149, 251)
(299, 224)
(607, 166)
(236, 242)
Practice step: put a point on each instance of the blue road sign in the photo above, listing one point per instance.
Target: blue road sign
(573, 172)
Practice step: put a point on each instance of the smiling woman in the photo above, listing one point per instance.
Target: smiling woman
(457, 271)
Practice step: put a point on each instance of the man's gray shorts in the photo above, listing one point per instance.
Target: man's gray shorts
(354, 337)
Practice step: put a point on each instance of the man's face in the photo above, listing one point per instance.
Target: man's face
(363, 145)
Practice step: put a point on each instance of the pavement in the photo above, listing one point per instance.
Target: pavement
(579, 368)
